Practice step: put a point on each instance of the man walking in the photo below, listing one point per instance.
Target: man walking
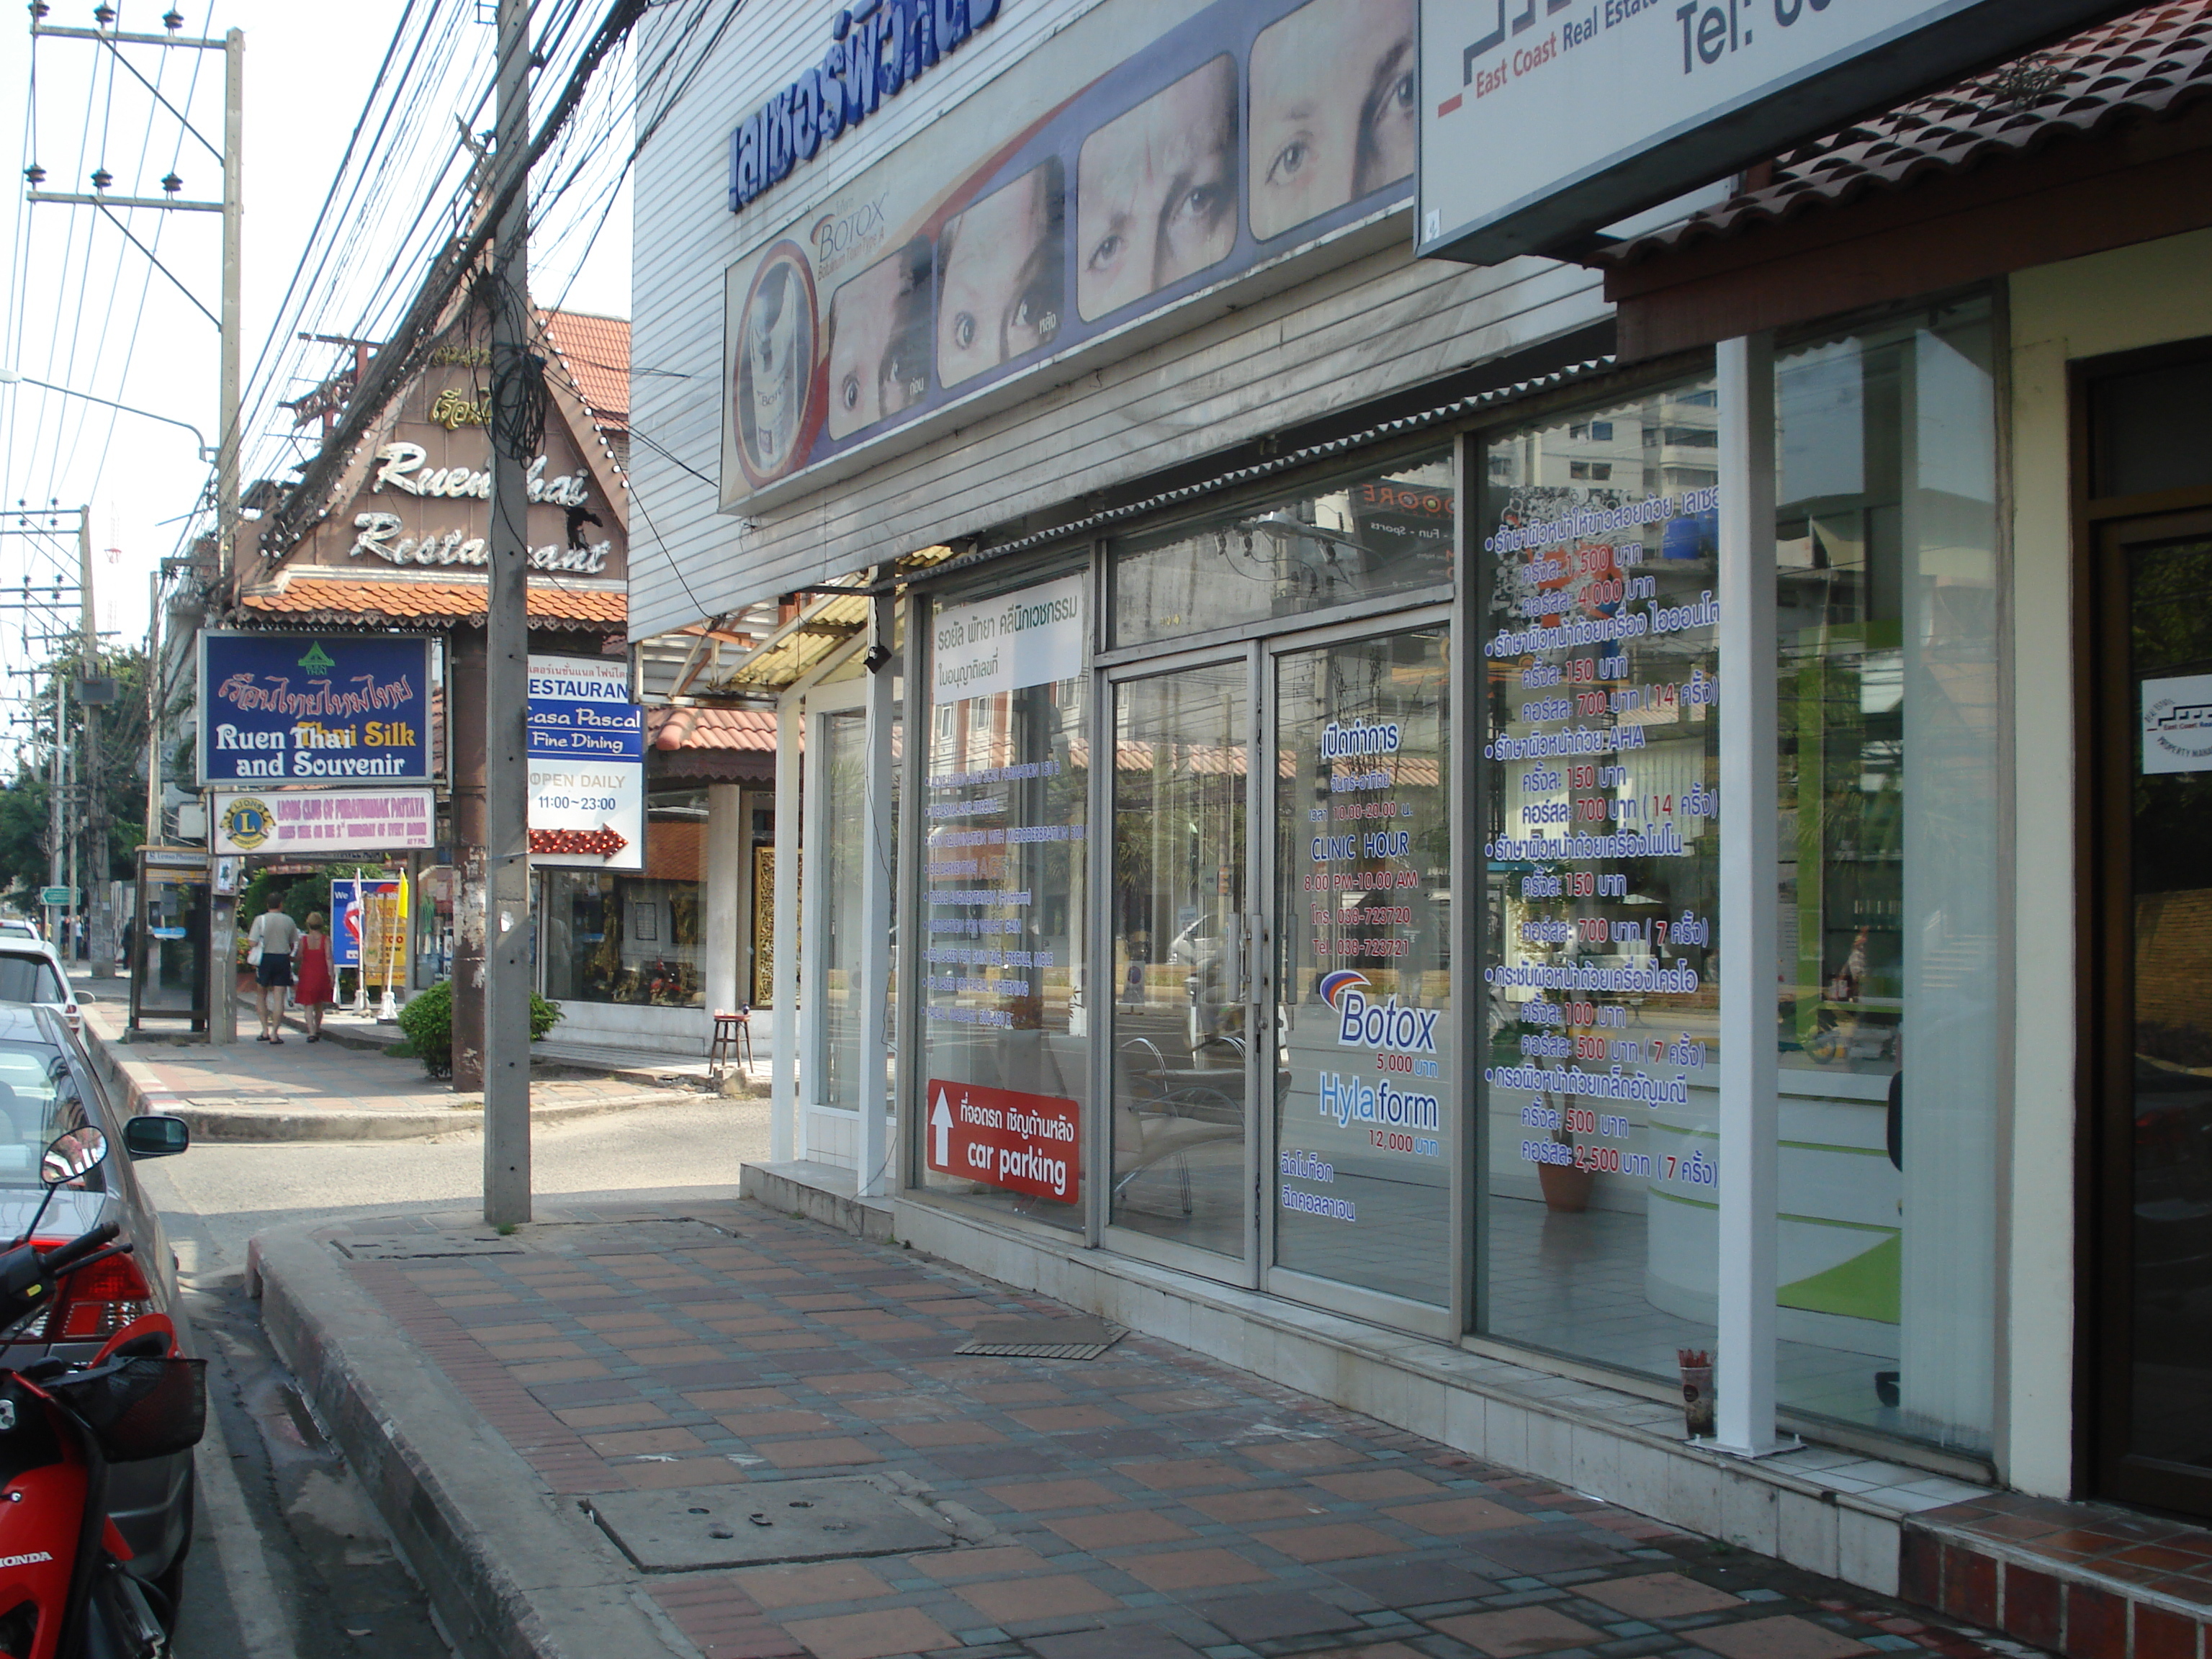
(273, 936)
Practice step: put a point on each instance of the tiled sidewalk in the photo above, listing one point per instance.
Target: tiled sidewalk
(1147, 1505)
(300, 1077)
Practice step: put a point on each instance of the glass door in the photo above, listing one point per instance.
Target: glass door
(1179, 923)
(1366, 1110)
(2154, 1013)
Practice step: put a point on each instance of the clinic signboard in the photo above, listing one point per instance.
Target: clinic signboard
(1543, 121)
(278, 709)
(1149, 152)
(587, 765)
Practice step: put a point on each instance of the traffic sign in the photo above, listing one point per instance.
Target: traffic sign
(57, 896)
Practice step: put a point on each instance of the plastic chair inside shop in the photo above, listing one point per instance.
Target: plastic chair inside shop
(732, 1033)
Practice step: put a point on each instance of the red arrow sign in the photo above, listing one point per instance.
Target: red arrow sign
(1024, 1143)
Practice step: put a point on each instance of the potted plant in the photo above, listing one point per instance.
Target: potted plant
(1566, 1186)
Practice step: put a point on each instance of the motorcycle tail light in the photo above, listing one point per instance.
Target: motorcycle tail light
(92, 1302)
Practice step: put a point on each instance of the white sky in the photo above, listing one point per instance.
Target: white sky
(85, 310)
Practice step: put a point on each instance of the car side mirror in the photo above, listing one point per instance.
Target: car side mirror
(86, 996)
(156, 1136)
(73, 1156)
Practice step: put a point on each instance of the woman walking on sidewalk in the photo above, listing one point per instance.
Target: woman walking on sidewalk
(274, 935)
(314, 991)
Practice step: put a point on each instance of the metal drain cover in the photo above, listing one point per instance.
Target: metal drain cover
(766, 1521)
(1040, 1338)
(425, 1247)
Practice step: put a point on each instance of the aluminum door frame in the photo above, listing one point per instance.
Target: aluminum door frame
(1128, 1240)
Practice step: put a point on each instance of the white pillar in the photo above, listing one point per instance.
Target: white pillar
(1749, 879)
(783, 1089)
(725, 875)
(879, 839)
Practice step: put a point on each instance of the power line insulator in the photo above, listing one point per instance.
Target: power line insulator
(103, 15)
(36, 175)
(172, 21)
(101, 179)
(172, 183)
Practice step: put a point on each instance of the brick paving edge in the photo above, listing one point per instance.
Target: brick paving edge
(250, 1123)
(512, 1572)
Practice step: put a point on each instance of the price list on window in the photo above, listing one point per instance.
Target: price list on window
(1602, 678)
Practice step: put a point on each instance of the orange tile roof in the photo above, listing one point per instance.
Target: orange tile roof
(338, 601)
(2155, 61)
(749, 729)
(596, 350)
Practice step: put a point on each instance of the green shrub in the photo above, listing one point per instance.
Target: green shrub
(428, 1020)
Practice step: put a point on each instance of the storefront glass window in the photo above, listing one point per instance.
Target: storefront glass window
(1005, 1030)
(1599, 669)
(1891, 1030)
(633, 937)
(1380, 531)
(1368, 1098)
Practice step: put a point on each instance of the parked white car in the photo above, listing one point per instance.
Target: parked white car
(18, 928)
(31, 972)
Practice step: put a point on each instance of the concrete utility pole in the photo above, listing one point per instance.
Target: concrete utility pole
(100, 933)
(507, 665)
(222, 919)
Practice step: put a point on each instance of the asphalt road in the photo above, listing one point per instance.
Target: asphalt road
(289, 1561)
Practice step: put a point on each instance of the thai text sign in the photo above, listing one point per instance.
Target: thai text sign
(1545, 120)
(278, 709)
(322, 822)
(1030, 638)
(1024, 1143)
(1149, 151)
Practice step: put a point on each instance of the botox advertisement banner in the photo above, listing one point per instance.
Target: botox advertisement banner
(1150, 149)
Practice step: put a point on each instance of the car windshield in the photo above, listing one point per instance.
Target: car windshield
(27, 978)
(39, 1100)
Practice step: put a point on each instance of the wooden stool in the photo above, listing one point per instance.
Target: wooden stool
(732, 1033)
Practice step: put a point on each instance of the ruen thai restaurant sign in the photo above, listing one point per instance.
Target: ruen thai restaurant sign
(415, 500)
(1150, 152)
(314, 708)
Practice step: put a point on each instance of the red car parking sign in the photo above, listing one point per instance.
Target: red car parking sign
(1024, 1143)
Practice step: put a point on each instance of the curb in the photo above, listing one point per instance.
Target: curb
(443, 1483)
(249, 1123)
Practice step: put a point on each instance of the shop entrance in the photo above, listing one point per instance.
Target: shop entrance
(2152, 1100)
(1284, 1114)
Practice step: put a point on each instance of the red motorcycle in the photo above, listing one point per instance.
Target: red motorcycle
(66, 1589)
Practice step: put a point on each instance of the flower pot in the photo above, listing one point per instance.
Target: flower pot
(1566, 1188)
(1698, 1401)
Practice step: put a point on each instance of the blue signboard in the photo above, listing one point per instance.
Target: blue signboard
(581, 710)
(345, 921)
(309, 708)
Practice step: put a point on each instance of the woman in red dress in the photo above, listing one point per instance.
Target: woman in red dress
(314, 988)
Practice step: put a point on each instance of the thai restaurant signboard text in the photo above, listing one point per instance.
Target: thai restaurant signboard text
(276, 710)
(587, 765)
(1543, 121)
(1149, 152)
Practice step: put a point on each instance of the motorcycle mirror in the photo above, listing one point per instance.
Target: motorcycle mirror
(72, 1156)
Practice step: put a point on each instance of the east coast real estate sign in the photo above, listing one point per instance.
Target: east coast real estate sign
(1543, 121)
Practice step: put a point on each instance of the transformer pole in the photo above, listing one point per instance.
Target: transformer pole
(514, 389)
